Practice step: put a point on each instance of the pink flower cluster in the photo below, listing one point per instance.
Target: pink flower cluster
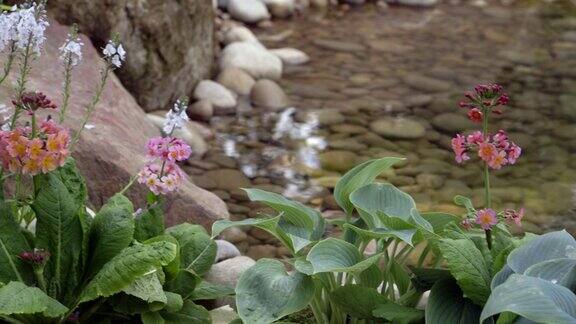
(161, 174)
(484, 98)
(497, 150)
(487, 218)
(19, 152)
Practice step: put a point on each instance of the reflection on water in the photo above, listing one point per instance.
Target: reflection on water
(383, 84)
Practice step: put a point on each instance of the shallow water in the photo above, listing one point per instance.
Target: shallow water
(406, 65)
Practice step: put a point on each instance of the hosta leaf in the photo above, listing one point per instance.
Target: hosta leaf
(126, 267)
(59, 231)
(112, 231)
(501, 276)
(554, 245)
(371, 277)
(468, 266)
(447, 305)
(197, 249)
(358, 177)
(18, 299)
(424, 279)
(559, 271)
(73, 181)
(358, 301)
(266, 292)
(149, 223)
(12, 243)
(405, 234)
(334, 255)
(398, 314)
(207, 290)
(535, 299)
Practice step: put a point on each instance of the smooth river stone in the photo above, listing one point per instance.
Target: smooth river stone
(398, 127)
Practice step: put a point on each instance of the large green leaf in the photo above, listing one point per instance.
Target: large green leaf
(358, 177)
(559, 271)
(197, 249)
(300, 223)
(18, 299)
(468, 266)
(207, 290)
(378, 199)
(358, 301)
(112, 231)
(402, 231)
(266, 293)
(335, 255)
(398, 314)
(535, 299)
(59, 231)
(447, 305)
(554, 245)
(190, 313)
(73, 181)
(148, 288)
(126, 267)
(173, 268)
(184, 283)
(149, 223)
(12, 243)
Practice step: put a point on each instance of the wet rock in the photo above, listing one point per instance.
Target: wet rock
(387, 46)
(426, 84)
(268, 94)
(257, 252)
(240, 34)
(228, 179)
(348, 144)
(228, 272)
(417, 3)
(348, 129)
(236, 80)
(170, 44)
(225, 250)
(431, 181)
(255, 60)
(398, 127)
(319, 4)
(338, 160)
(452, 123)
(280, 8)
(339, 46)
(418, 100)
(248, 11)
(216, 94)
(234, 235)
(291, 56)
(201, 110)
(323, 117)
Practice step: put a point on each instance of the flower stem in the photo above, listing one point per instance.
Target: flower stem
(22, 79)
(487, 195)
(9, 61)
(66, 88)
(39, 273)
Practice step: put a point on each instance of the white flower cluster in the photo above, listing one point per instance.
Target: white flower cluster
(176, 117)
(4, 117)
(23, 27)
(114, 53)
(71, 50)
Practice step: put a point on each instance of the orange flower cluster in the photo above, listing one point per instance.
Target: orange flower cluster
(45, 152)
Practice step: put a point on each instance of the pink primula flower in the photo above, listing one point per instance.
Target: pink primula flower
(459, 146)
(486, 218)
(514, 216)
(487, 151)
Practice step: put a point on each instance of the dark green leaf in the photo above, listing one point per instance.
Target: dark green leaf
(447, 305)
(18, 299)
(12, 243)
(398, 314)
(73, 181)
(149, 223)
(197, 249)
(207, 290)
(358, 301)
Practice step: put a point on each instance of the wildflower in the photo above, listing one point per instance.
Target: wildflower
(33, 101)
(475, 138)
(486, 218)
(114, 53)
(498, 160)
(36, 257)
(71, 50)
(24, 27)
(514, 216)
(176, 117)
(475, 115)
(486, 151)
(459, 147)
(514, 153)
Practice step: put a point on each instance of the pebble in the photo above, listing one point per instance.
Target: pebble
(236, 80)
(268, 94)
(291, 56)
(248, 11)
(254, 59)
(215, 93)
(398, 127)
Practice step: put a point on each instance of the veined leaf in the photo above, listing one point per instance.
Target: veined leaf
(18, 299)
(358, 177)
(397, 313)
(148, 288)
(447, 305)
(405, 234)
(559, 271)
(149, 223)
(207, 290)
(197, 249)
(554, 245)
(535, 299)
(112, 231)
(173, 268)
(12, 243)
(266, 293)
(59, 231)
(126, 267)
(73, 181)
(184, 283)
(358, 301)
(467, 265)
(189, 313)
(334, 255)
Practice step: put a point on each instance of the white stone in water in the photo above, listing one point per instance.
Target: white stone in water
(225, 250)
(280, 8)
(248, 11)
(215, 93)
(236, 80)
(291, 56)
(255, 60)
(268, 94)
(240, 34)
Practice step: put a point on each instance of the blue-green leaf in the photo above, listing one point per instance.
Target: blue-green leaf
(334, 255)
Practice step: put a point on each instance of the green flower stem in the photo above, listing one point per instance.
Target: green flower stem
(66, 88)
(130, 183)
(92, 106)
(39, 273)
(22, 79)
(487, 195)
(9, 61)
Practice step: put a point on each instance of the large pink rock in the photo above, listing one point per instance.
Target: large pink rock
(111, 152)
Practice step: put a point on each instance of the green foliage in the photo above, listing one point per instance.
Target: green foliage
(18, 299)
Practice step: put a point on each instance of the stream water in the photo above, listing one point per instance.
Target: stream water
(387, 83)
